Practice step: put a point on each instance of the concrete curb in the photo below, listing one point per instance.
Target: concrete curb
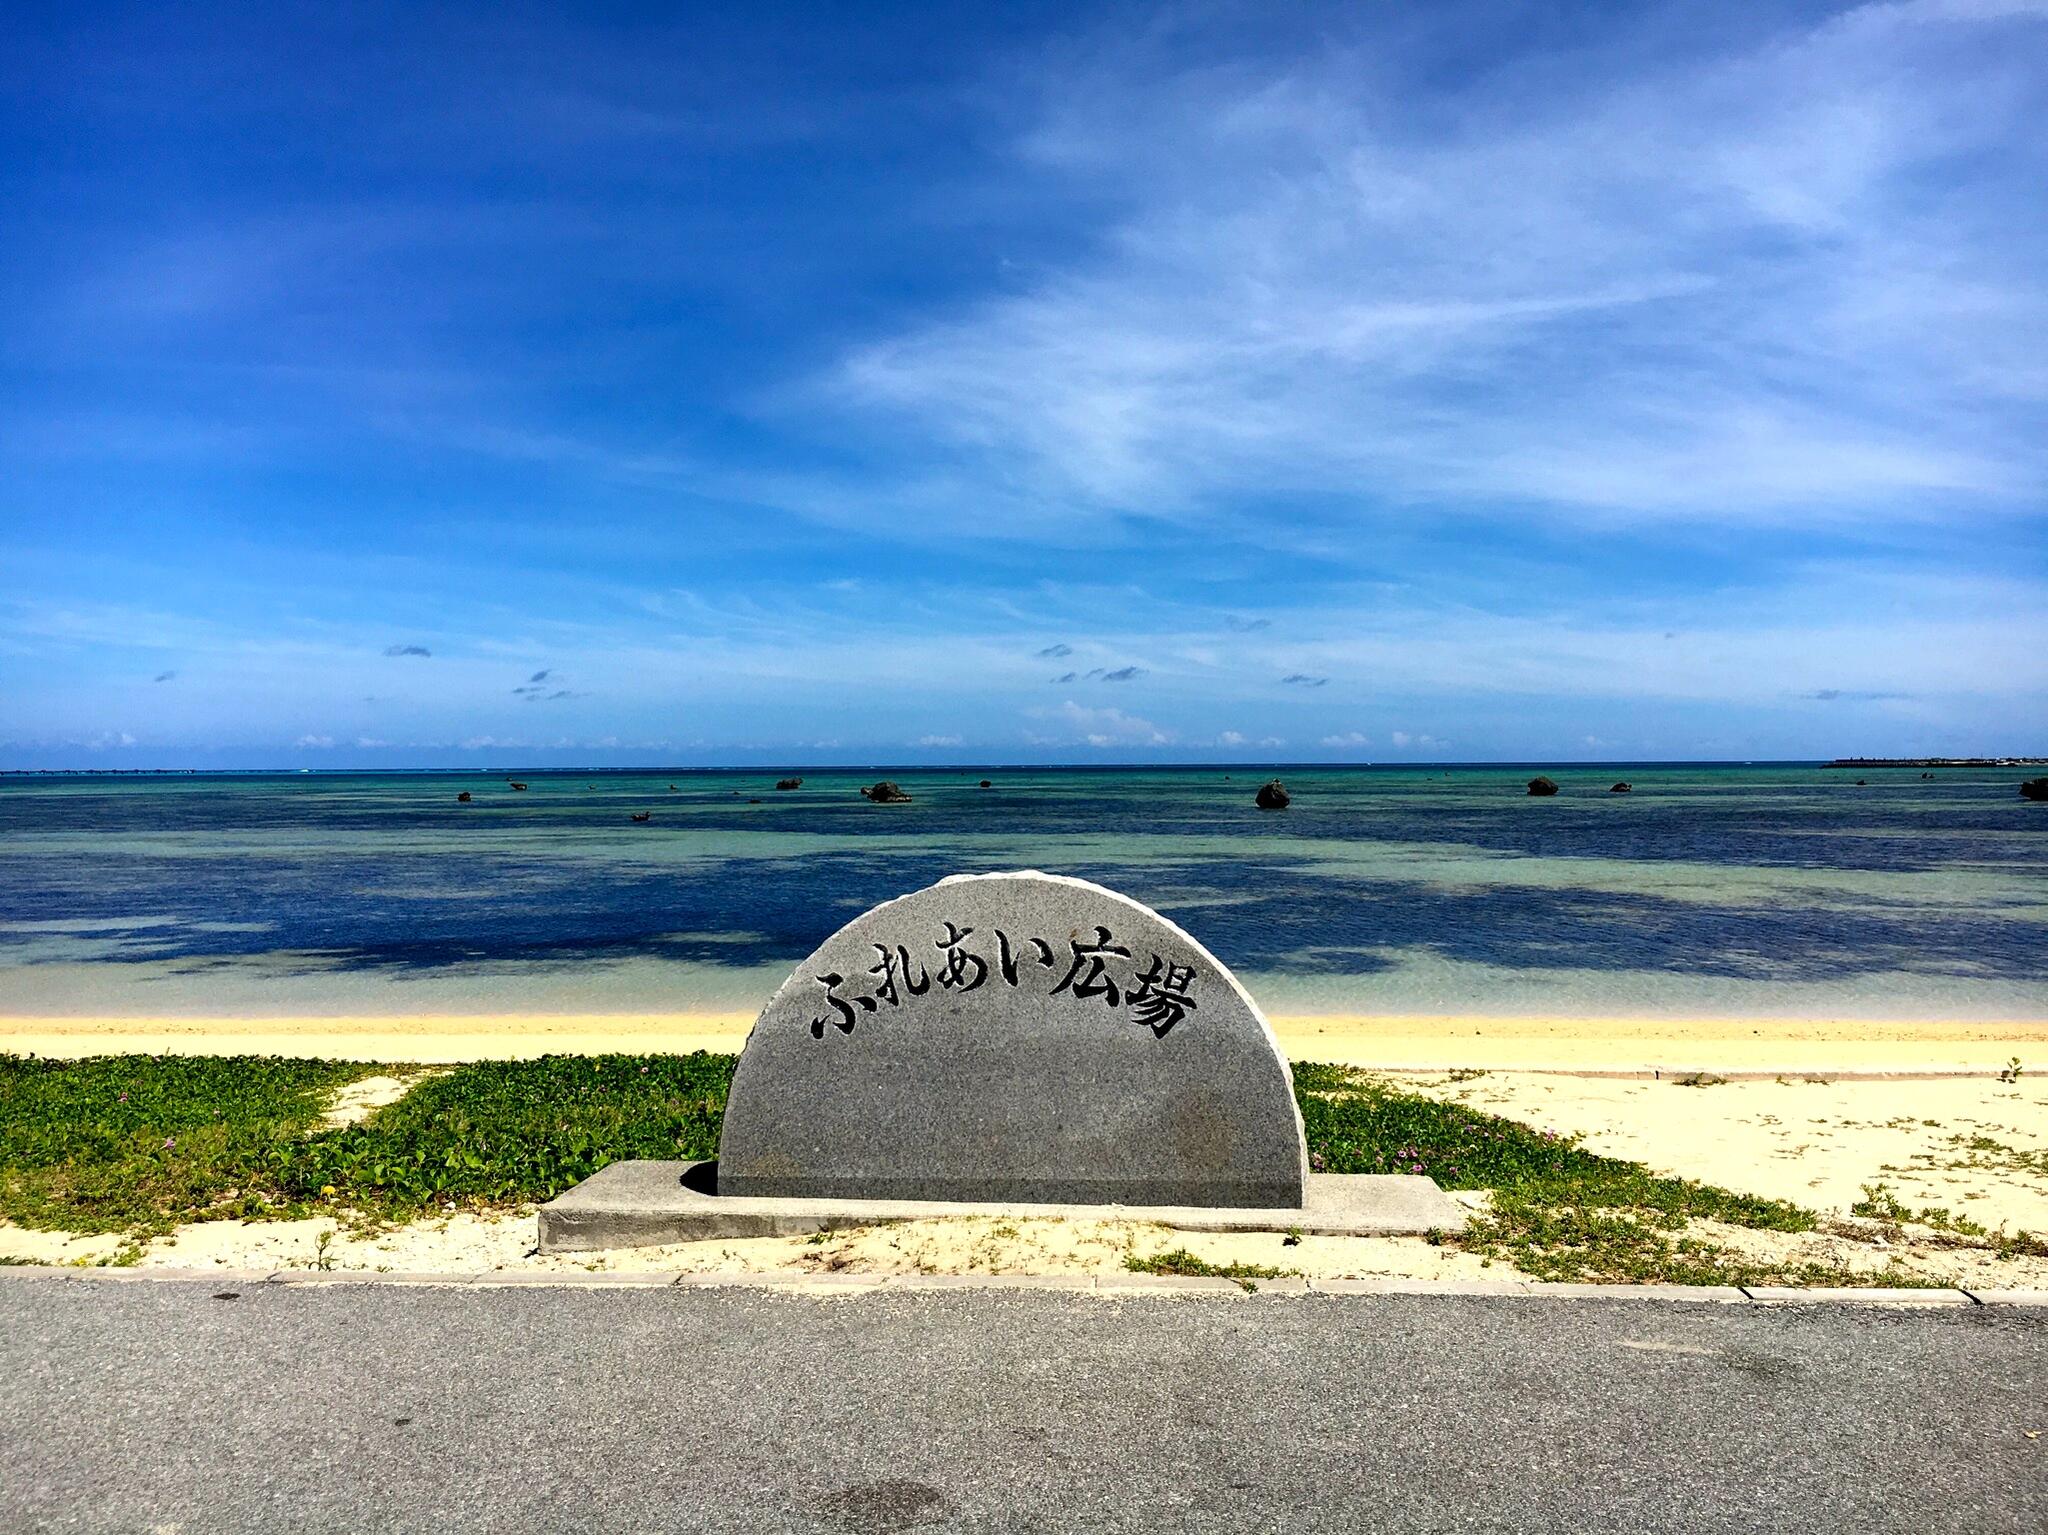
(1120, 1285)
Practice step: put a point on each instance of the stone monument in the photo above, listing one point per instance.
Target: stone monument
(1023, 1044)
(1021, 1037)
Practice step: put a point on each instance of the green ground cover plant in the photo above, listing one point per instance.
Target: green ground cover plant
(499, 1133)
(136, 1145)
(139, 1144)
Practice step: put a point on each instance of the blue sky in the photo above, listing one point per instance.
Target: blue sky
(414, 385)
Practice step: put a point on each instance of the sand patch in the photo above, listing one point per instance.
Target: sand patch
(1976, 1147)
(356, 1101)
(996, 1245)
(473, 1244)
(1870, 1249)
(1404, 1042)
(24, 1246)
(454, 1244)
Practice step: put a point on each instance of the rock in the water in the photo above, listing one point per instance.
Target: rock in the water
(1542, 786)
(515, 785)
(789, 783)
(2034, 788)
(1274, 796)
(885, 793)
(643, 816)
(462, 798)
(987, 784)
(1622, 788)
(1014, 1037)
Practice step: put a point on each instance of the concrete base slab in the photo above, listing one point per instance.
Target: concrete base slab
(648, 1204)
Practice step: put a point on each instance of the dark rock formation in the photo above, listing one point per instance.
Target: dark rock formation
(1621, 788)
(462, 798)
(516, 785)
(789, 783)
(885, 793)
(987, 784)
(1274, 796)
(2034, 788)
(1542, 786)
(643, 815)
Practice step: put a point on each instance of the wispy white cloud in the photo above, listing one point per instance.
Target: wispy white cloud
(1740, 284)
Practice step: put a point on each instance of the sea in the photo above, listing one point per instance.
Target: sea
(1779, 890)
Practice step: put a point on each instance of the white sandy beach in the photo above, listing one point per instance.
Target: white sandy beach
(1393, 1042)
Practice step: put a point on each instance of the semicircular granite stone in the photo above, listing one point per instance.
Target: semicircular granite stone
(1017, 1037)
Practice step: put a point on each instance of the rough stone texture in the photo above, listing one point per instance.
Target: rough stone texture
(648, 1204)
(1014, 1037)
(1273, 796)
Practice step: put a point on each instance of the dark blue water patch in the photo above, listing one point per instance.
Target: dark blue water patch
(1332, 930)
(395, 915)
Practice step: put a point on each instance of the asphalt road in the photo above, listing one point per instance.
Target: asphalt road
(156, 1406)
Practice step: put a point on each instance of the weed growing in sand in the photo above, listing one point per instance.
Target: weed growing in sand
(1558, 1211)
(1881, 1204)
(1183, 1264)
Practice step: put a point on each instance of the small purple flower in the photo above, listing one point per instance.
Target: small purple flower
(170, 1141)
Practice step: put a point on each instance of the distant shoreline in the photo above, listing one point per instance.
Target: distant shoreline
(969, 769)
(1936, 762)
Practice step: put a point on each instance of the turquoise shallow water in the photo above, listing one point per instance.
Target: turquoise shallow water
(1777, 890)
